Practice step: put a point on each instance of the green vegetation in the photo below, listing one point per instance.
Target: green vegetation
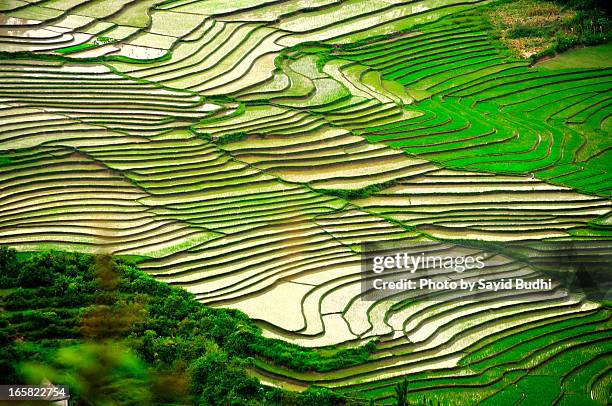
(85, 45)
(543, 28)
(599, 56)
(76, 48)
(362, 193)
(66, 314)
(477, 97)
(232, 137)
(29, 56)
(401, 393)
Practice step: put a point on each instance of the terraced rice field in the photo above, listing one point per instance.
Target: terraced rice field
(245, 150)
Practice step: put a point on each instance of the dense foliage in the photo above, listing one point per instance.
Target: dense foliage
(362, 193)
(589, 26)
(66, 313)
(602, 5)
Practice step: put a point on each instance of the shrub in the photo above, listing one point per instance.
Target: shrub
(523, 31)
(220, 380)
(314, 396)
(233, 137)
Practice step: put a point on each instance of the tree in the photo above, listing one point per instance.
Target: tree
(98, 374)
(401, 393)
(220, 380)
(316, 396)
(8, 267)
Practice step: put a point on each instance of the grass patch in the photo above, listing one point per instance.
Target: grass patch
(598, 56)
(75, 48)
